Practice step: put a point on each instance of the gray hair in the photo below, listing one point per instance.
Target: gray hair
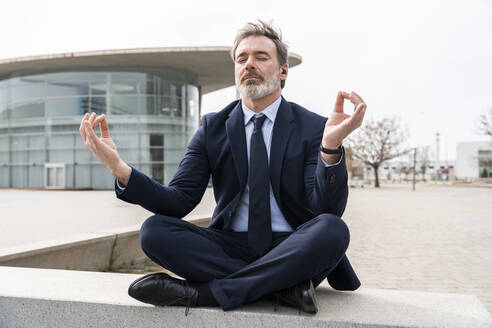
(263, 29)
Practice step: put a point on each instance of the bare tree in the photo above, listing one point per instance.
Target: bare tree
(378, 141)
(485, 124)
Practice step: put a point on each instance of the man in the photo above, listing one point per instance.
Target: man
(280, 184)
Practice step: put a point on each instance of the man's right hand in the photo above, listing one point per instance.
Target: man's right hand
(104, 147)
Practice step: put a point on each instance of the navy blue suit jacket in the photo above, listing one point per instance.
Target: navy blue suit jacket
(303, 186)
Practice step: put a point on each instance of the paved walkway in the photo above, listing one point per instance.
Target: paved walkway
(438, 238)
(29, 216)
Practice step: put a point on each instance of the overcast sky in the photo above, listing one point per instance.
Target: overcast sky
(428, 62)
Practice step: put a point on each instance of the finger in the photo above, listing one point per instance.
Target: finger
(342, 95)
(91, 136)
(358, 116)
(103, 125)
(88, 142)
(360, 98)
(354, 99)
(92, 118)
(82, 127)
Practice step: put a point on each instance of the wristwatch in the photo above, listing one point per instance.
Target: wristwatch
(330, 151)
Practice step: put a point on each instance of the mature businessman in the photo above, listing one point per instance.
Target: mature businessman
(280, 184)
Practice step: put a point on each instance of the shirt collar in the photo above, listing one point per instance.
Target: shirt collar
(270, 112)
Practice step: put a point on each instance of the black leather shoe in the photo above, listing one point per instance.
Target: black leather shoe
(163, 290)
(302, 296)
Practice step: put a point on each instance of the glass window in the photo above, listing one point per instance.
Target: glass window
(37, 156)
(26, 110)
(102, 177)
(82, 176)
(485, 164)
(27, 88)
(19, 177)
(123, 87)
(4, 96)
(71, 106)
(19, 142)
(156, 140)
(125, 140)
(61, 141)
(192, 96)
(175, 141)
(174, 155)
(4, 114)
(169, 106)
(82, 156)
(67, 88)
(98, 88)
(4, 157)
(169, 172)
(124, 105)
(36, 176)
(60, 156)
(4, 177)
(96, 105)
(147, 105)
(129, 155)
(158, 172)
(18, 156)
(37, 141)
(4, 143)
(157, 155)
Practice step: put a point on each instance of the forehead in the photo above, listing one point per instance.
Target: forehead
(254, 44)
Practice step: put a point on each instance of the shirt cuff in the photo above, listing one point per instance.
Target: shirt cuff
(119, 186)
(330, 165)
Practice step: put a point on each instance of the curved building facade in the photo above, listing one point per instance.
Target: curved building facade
(151, 98)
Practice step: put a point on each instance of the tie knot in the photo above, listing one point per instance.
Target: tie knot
(258, 121)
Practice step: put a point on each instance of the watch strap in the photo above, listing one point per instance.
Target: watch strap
(330, 151)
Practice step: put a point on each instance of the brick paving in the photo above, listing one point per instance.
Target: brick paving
(437, 238)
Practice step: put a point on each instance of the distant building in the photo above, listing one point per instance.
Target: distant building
(474, 160)
(398, 171)
(151, 97)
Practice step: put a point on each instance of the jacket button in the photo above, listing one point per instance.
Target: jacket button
(230, 214)
(332, 178)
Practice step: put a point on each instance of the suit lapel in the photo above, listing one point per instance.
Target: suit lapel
(237, 141)
(282, 129)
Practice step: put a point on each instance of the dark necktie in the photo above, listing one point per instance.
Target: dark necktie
(259, 220)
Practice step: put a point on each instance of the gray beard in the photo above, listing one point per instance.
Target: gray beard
(257, 91)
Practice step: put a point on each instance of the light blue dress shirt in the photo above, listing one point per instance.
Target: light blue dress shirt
(240, 218)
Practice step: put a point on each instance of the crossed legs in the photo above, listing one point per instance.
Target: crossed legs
(224, 261)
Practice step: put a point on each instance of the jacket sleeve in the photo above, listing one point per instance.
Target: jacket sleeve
(184, 191)
(326, 186)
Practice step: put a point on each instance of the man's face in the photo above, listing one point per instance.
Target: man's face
(256, 67)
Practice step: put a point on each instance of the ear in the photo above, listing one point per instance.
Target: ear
(284, 71)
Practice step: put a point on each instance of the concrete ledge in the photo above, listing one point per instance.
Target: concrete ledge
(60, 298)
(101, 251)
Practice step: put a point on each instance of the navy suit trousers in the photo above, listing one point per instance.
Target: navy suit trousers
(234, 274)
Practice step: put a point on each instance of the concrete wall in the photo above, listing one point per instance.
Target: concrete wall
(467, 158)
(61, 298)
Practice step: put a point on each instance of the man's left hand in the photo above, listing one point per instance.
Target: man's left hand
(340, 125)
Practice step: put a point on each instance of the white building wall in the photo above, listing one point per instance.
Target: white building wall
(467, 158)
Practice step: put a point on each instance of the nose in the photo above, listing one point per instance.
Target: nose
(250, 63)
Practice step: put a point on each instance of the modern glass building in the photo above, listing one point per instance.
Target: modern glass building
(151, 98)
